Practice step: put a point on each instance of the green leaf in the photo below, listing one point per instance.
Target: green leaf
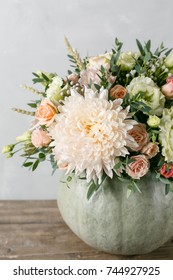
(129, 191)
(137, 68)
(42, 156)
(140, 47)
(147, 57)
(45, 77)
(124, 180)
(91, 189)
(38, 80)
(148, 45)
(164, 180)
(36, 163)
(118, 165)
(104, 176)
(69, 178)
(27, 164)
(32, 105)
(168, 52)
(167, 189)
(36, 75)
(97, 86)
(136, 186)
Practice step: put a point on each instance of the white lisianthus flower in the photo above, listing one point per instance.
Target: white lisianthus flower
(89, 134)
(153, 97)
(54, 89)
(25, 137)
(127, 60)
(166, 134)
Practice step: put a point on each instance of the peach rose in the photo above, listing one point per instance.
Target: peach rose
(140, 135)
(167, 89)
(118, 91)
(139, 167)
(46, 112)
(150, 150)
(40, 138)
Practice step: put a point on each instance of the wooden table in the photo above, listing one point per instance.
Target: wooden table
(35, 230)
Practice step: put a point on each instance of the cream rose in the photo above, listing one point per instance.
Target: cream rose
(101, 60)
(40, 138)
(140, 135)
(150, 150)
(127, 60)
(139, 167)
(46, 112)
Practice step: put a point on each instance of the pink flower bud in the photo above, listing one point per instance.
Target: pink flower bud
(167, 89)
(40, 138)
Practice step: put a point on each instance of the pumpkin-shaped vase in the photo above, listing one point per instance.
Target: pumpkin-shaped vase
(113, 223)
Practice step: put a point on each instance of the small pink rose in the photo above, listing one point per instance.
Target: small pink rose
(112, 79)
(139, 167)
(167, 89)
(73, 77)
(40, 138)
(88, 76)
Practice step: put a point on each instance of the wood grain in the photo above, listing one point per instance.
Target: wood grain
(35, 230)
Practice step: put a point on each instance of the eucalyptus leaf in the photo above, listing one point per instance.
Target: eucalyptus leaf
(36, 163)
(91, 189)
(167, 189)
(32, 105)
(140, 47)
(129, 191)
(27, 164)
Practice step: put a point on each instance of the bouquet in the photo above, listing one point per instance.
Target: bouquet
(112, 115)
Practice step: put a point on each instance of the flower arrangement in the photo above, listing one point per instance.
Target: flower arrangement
(111, 116)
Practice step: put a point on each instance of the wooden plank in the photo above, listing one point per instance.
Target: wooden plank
(35, 230)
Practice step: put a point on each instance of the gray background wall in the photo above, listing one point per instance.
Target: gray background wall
(31, 38)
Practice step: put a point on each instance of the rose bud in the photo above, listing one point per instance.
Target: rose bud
(40, 138)
(167, 170)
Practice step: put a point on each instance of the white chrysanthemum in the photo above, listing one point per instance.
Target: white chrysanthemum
(90, 133)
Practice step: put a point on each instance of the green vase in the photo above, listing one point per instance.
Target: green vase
(113, 223)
